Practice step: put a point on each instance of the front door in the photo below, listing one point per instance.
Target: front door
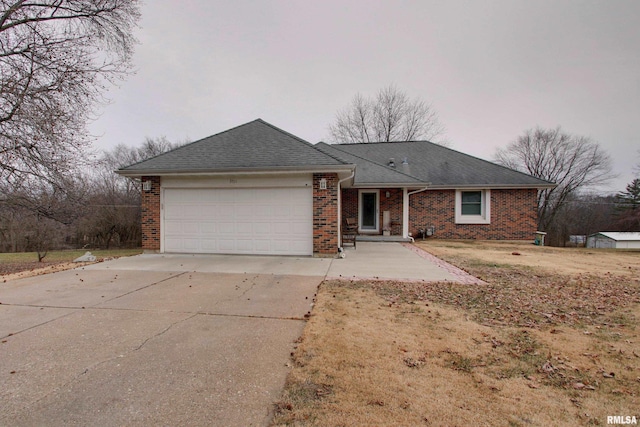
(368, 210)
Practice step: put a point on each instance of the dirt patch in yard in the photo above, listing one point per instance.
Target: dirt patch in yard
(21, 265)
(535, 345)
(22, 270)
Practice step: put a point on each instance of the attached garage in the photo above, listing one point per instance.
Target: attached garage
(252, 190)
(260, 221)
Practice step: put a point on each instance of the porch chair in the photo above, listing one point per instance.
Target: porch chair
(349, 231)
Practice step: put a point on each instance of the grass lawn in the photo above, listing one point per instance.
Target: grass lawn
(551, 339)
(24, 261)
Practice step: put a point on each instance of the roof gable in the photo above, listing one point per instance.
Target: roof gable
(256, 145)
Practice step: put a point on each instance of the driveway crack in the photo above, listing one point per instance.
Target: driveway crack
(86, 370)
(165, 330)
(143, 287)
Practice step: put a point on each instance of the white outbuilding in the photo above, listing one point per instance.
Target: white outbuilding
(614, 240)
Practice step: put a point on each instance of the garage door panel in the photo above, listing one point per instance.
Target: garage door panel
(208, 227)
(243, 221)
(298, 228)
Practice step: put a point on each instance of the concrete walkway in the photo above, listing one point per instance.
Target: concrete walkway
(391, 261)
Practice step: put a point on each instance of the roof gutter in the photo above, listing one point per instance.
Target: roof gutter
(405, 209)
(390, 185)
(340, 249)
(492, 186)
(235, 171)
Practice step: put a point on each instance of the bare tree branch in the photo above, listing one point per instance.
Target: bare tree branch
(389, 117)
(57, 58)
(574, 163)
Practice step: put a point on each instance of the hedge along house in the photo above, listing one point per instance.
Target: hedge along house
(256, 189)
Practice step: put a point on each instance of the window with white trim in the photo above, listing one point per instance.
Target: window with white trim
(473, 206)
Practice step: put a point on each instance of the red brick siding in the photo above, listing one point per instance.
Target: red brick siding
(393, 204)
(325, 214)
(513, 215)
(151, 214)
(350, 203)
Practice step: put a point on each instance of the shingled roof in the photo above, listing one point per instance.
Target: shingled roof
(260, 146)
(428, 163)
(256, 145)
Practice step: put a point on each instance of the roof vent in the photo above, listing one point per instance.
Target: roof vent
(392, 162)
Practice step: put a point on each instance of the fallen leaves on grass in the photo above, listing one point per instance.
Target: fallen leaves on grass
(513, 297)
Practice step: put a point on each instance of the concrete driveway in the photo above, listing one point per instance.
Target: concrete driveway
(166, 340)
(122, 343)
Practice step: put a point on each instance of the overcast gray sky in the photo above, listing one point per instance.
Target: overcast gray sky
(491, 69)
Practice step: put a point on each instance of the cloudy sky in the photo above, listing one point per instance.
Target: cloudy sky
(491, 69)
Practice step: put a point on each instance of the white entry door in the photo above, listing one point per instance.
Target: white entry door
(264, 221)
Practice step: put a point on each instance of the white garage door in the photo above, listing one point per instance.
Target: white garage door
(267, 221)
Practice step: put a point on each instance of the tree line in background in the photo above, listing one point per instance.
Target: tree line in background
(96, 208)
(57, 59)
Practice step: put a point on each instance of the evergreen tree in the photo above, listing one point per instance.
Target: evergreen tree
(629, 207)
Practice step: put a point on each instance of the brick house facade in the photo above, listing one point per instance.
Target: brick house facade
(513, 213)
(291, 196)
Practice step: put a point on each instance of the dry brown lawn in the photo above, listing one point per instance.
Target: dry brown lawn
(551, 339)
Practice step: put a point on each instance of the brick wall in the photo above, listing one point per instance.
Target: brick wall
(350, 203)
(513, 215)
(151, 214)
(393, 204)
(325, 214)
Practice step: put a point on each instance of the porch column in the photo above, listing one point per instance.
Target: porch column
(405, 213)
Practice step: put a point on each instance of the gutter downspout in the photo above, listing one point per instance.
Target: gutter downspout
(353, 173)
(405, 210)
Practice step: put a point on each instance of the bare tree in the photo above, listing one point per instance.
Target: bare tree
(572, 162)
(112, 214)
(57, 57)
(390, 116)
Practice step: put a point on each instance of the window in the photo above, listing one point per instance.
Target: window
(473, 206)
(471, 203)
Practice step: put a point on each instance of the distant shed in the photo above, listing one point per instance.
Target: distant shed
(614, 240)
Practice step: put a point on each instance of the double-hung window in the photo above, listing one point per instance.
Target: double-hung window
(473, 206)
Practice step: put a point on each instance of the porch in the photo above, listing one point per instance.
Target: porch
(380, 238)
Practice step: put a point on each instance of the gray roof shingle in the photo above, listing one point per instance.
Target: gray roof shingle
(254, 145)
(258, 145)
(370, 172)
(431, 164)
